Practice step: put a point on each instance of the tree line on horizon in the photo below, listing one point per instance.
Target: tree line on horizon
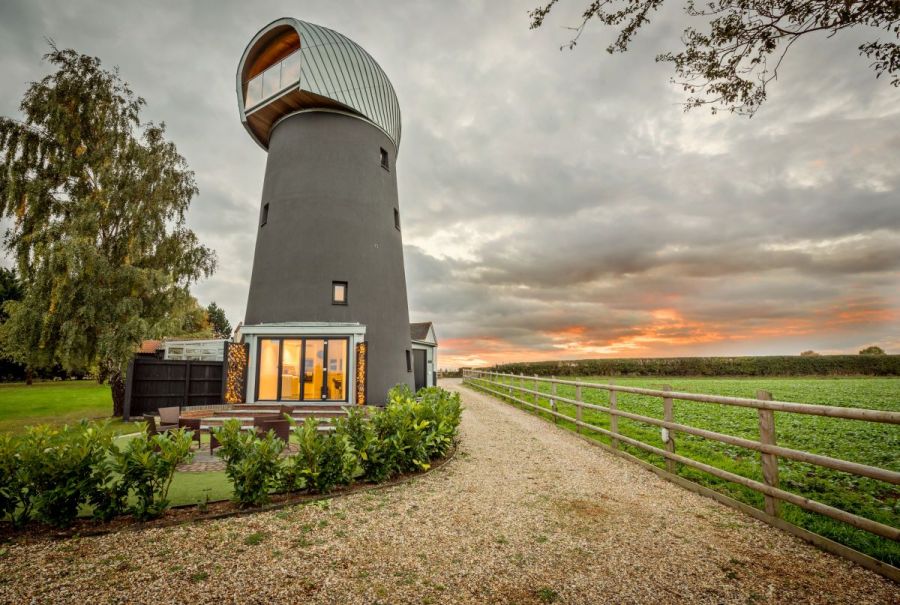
(863, 364)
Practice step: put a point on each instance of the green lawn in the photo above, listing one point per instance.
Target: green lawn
(64, 402)
(191, 488)
(864, 442)
(68, 402)
(196, 488)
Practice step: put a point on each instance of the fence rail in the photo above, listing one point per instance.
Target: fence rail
(517, 387)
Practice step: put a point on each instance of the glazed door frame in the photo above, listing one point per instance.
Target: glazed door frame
(323, 395)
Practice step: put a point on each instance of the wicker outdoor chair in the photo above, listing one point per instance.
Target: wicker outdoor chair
(150, 419)
(192, 424)
(280, 426)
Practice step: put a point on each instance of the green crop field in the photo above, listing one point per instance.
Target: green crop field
(63, 402)
(864, 442)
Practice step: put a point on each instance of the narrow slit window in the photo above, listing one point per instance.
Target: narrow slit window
(385, 162)
(408, 361)
(339, 293)
(397, 219)
(265, 215)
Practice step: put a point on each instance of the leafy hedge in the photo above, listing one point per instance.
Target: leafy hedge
(49, 473)
(406, 435)
(821, 365)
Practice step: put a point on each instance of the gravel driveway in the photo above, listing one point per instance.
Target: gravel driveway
(525, 513)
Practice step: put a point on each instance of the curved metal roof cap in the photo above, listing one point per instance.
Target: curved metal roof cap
(336, 67)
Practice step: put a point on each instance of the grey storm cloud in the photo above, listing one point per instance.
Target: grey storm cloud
(550, 196)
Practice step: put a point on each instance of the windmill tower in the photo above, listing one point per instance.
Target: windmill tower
(327, 317)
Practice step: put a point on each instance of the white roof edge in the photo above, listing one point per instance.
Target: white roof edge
(305, 324)
(304, 329)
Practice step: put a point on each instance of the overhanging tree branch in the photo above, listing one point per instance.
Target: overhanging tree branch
(728, 65)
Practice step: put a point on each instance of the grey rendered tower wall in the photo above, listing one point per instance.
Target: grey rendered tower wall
(331, 218)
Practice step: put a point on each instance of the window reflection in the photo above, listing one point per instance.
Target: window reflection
(337, 364)
(290, 70)
(313, 372)
(268, 369)
(254, 91)
(273, 80)
(339, 292)
(290, 370)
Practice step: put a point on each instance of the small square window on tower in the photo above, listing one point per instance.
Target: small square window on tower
(397, 219)
(339, 293)
(265, 215)
(385, 163)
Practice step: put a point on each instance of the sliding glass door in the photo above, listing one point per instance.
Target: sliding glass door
(337, 370)
(314, 370)
(267, 377)
(291, 355)
(302, 369)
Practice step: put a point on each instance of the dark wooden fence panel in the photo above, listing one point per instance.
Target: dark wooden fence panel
(156, 383)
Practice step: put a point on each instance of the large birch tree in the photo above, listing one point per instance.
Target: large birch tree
(97, 202)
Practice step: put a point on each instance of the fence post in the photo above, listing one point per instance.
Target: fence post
(129, 383)
(613, 419)
(536, 389)
(769, 461)
(187, 385)
(578, 408)
(668, 436)
(553, 399)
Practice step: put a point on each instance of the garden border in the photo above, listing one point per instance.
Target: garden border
(290, 501)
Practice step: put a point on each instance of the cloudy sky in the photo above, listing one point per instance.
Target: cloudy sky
(555, 204)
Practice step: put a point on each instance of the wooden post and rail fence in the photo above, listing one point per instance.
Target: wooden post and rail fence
(509, 385)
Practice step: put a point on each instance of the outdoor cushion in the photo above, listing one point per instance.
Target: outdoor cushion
(169, 416)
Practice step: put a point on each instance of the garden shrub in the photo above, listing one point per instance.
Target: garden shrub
(7, 458)
(108, 496)
(416, 430)
(323, 459)
(146, 467)
(48, 472)
(359, 433)
(404, 436)
(14, 492)
(252, 463)
(62, 476)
